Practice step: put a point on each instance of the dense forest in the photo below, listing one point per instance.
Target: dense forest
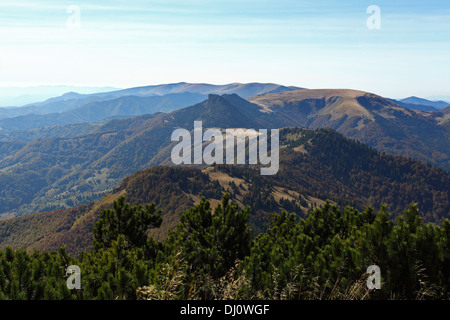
(212, 254)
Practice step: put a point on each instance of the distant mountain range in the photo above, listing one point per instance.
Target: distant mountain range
(60, 172)
(18, 96)
(23, 123)
(421, 104)
(73, 100)
(244, 90)
(95, 111)
(441, 98)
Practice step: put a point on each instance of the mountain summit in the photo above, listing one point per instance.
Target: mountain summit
(370, 118)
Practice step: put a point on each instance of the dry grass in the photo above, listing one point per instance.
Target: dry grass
(170, 283)
(426, 290)
(300, 286)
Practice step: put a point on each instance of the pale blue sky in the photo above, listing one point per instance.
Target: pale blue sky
(313, 44)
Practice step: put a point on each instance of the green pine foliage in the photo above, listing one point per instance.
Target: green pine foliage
(211, 242)
(132, 222)
(213, 255)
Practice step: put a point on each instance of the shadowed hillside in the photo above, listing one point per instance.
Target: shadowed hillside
(315, 165)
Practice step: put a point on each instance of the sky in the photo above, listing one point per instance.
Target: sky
(310, 44)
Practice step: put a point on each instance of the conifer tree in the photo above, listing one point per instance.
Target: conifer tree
(130, 221)
(212, 242)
